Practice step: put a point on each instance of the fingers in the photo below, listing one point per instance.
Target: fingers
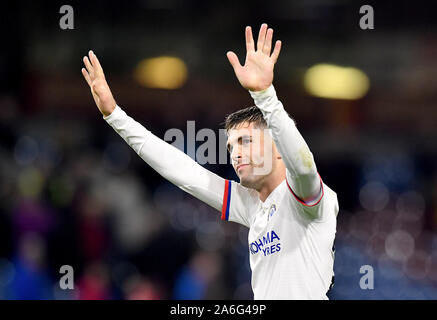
(250, 45)
(233, 59)
(261, 37)
(268, 42)
(96, 64)
(276, 51)
(89, 67)
(86, 76)
(92, 65)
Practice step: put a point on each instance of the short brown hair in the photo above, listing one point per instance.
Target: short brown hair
(251, 115)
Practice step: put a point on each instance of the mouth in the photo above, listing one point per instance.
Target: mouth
(241, 166)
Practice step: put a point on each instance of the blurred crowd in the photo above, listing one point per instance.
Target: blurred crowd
(74, 193)
(66, 201)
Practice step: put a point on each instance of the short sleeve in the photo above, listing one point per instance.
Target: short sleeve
(237, 203)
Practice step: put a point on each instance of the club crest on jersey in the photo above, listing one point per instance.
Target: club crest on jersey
(272, 210)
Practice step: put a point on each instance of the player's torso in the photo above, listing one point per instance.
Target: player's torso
(284, 248)
(272, 227)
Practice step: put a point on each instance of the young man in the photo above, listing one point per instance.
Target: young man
(290, 212)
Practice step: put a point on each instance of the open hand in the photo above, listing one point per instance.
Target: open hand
(257, 72)
(95, 78)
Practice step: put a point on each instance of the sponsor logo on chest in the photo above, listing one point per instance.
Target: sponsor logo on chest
(267, 244)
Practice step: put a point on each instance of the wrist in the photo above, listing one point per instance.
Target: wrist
(265, 93)
(108, 112)
(108, 115)
(259, 87)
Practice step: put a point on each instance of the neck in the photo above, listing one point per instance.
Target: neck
(271, 182)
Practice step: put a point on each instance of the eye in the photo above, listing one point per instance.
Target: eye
(246, 140)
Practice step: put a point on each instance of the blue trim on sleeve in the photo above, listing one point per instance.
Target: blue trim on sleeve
(228, 201)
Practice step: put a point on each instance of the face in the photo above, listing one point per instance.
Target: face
(253, 152)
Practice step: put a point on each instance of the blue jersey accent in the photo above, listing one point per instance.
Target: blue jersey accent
(228, 201)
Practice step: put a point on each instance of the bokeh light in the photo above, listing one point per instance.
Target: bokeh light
(161, 72)
(336, 82)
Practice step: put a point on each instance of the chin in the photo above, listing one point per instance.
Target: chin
(244, 183)
(249, 182)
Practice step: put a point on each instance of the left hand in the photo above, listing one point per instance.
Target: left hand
(257, 72)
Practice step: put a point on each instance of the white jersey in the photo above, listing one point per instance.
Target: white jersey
(291, 254)
(290, 240)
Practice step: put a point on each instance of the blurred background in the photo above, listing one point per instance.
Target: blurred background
(73, 193)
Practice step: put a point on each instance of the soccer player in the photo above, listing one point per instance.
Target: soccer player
(291, 214)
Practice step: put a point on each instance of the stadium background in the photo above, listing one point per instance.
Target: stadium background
(73, 193)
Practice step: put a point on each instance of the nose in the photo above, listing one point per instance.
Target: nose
(236, 154)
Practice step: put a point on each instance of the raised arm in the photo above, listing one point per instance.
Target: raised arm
(168, 161)
(257, 76)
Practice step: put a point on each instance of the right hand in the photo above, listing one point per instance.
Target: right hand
(257, 72)
(95, 78)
